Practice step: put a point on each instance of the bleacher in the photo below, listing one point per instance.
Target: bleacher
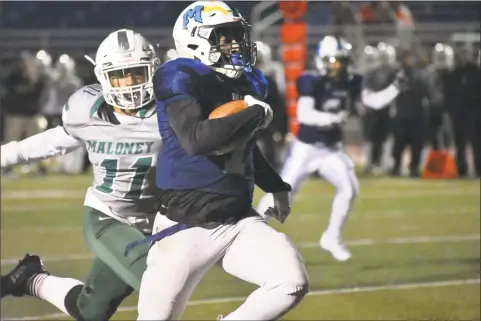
(423, 11)
(86, 14)
(445, 11)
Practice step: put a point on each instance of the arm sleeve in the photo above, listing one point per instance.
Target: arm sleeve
(199, 136)
(307, 115)
(355, 94)
(52, 142)
(277, 103)
(265, 176)
(378, 100)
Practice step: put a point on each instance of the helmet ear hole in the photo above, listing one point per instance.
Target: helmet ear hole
(193, 47)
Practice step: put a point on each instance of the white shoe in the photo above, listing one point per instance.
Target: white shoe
(219, 317)
(335, 246)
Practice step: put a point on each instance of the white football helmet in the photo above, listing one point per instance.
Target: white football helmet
(331, 50)
(370, 57)
(43, 63)
(442, 56)
(44, 58)
(264, 53)
(65, 65)
(126, 52)
(215, 34)
(387, 53)
(171, 54)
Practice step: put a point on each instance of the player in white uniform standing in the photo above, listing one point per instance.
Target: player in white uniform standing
(325, 100)
(116, 121)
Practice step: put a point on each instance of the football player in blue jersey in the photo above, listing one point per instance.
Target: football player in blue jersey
(209, 169)
(326, 97)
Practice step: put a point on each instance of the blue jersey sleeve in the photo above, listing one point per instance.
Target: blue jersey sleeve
(178, 79)
(259, 82)
(306, 85)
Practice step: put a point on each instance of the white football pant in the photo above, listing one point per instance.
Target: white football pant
(334, 166)
(250, 250)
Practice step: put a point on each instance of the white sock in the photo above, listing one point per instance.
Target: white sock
(52, 289)
(265, 304)
(340, 210)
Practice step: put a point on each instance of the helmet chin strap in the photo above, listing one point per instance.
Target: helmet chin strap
(231, 73)
(235, 69)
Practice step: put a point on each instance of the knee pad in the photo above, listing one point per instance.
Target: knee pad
(295, 284)
(355, 191)
(87, 312)
(348, 193)
(349, 190)
(301, 287)
(71, 302)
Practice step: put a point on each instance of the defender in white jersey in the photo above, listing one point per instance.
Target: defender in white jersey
(116, 121)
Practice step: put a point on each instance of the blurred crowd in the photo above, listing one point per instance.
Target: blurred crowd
(371, 13)
(438, 108)
(33, 96)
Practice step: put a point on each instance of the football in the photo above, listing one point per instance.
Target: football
(228, 108)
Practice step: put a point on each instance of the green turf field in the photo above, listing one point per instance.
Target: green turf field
(416, 247)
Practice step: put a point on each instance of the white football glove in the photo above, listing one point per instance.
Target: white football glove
(334, 120)
(268, 113)
(9, 154)
(341, 117)
(278, 206)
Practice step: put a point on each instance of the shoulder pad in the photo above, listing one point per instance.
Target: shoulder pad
(259, 82)
(306, 84)
(180, 76)
(82, 105)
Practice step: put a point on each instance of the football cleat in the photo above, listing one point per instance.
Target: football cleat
(335, 246)
(20, 276)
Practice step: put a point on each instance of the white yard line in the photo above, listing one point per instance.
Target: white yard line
(402, 240)
(36, 194)
(42, 229)
(376, 214)
(41, 208)
(392, 194)
(404, 286)
(360, 242)
(74, 257)
(50, 194)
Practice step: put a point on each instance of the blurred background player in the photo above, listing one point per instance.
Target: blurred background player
(22, 100)
(380, 73)
(410, 118)
(437, 73)
(463, 100)
(62, 83)
(325, 99)
(271, 140)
